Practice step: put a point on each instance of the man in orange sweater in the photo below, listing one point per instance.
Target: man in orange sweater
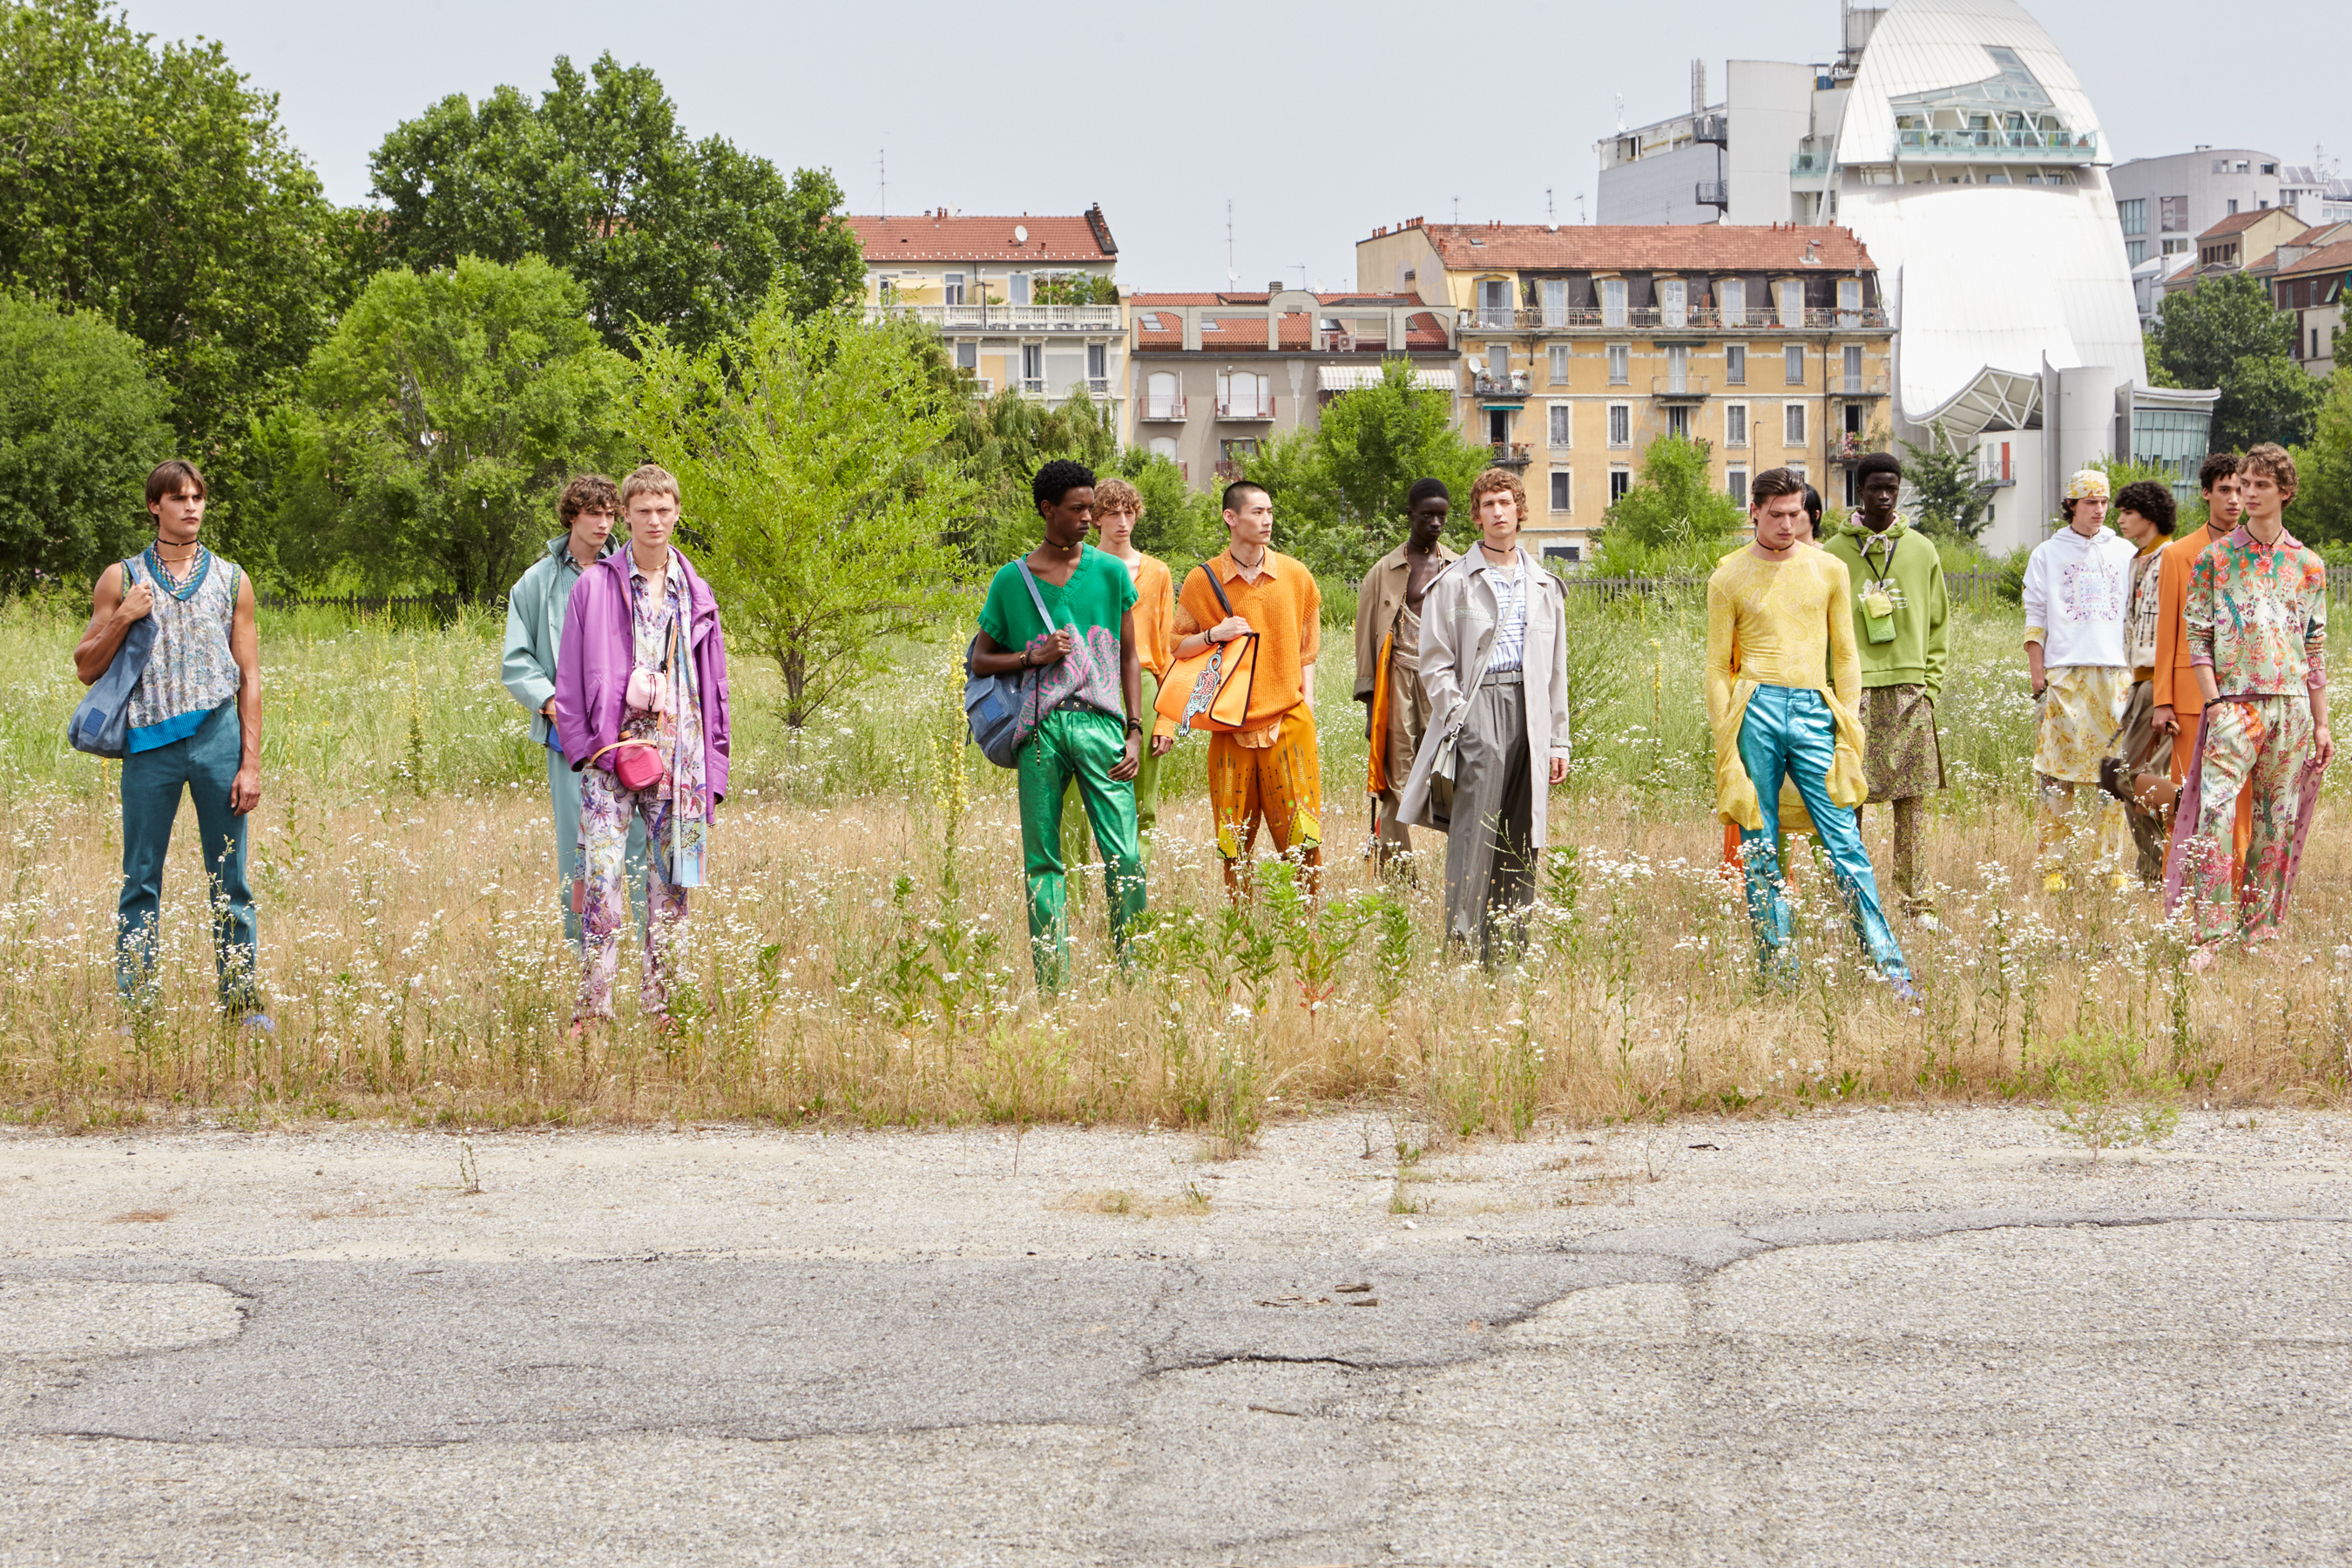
(1267, 771)
(2178, 704)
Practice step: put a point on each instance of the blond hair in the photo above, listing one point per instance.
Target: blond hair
(650, 480)
(1499, 480)
(1118, 495)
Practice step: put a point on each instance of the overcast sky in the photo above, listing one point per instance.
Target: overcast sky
(1317, 121)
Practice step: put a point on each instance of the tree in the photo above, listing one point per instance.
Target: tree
(1339, 489)
(80, 424)
(2322, 509)
(151, 187)
(599, 178)
(1073, 289)
(2224, 334)
(1672, 518)
(1943, 480)
(436, 425)
(803, 446)
(999, 442)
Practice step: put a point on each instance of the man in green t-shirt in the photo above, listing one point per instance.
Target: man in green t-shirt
(1082, 682)
(1901, 615)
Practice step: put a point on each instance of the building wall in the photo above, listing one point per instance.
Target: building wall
(2206, 195)
(1659, 187)
(995, 349)
(1770, 107)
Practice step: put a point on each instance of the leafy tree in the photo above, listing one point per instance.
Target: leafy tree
(599, 178)
(151, 186)
(2224, 334)
(1181, 525)
(804, 448)
(80, 424)
(1944, 483)
(2322, 509)
(1672, 518)
(1000, 443)
(436, 425)
(1073, 289)
(1339, 489)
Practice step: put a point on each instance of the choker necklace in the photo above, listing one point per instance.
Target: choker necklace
(1247, 566)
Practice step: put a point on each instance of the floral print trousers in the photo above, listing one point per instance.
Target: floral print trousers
(607, 811)
(2261, 745)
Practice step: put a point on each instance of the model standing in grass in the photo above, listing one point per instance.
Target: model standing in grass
(1388, 660)
(2134, 770)
(1902, 634)
(1789, 714)
(1082, 693)
(2077, 585)
(536, 605)
(1118, 507)
(2258, 633)
(195, 727)
(1268, 771)
(2173, 690)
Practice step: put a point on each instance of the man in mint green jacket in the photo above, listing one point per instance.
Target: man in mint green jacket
(589, 508)
(1901, 627)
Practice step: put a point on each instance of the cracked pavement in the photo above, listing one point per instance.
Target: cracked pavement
(1862, 1337)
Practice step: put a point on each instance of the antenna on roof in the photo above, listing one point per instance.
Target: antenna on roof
(1548, 218)
(1579, 206)
(1457, 209)
(1231, 275)
(882, 173)
(1621, 112)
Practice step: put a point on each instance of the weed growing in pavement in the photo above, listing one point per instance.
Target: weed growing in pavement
(2103, 1094)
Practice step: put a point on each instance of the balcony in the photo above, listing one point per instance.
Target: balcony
(1509, 454)
(1650, 318)
(1859, 386)
(1227, 470)
(1678, 388)
(1713, 130)
(1161, 407)
(1920, 144)
(1511, 384)
(1848, 450)
(1259, 405)
(1713, 194)
(1812, 167)
(1004, 318)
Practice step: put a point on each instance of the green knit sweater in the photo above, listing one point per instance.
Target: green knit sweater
(1913, 580)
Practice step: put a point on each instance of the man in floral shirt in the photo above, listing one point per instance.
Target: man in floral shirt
(2257, 629)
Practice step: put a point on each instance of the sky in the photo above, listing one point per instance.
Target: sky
(1316, 122)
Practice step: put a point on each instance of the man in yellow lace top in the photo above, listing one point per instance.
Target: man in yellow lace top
(1788, 712)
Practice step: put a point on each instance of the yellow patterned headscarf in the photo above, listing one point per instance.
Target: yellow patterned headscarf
(2086, 483)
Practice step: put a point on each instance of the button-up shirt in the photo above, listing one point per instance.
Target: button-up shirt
(1509, 650)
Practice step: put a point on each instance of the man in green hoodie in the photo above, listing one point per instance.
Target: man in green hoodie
(588, 508)
(1901, 615)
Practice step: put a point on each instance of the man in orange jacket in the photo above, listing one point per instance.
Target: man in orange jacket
(2178, 704)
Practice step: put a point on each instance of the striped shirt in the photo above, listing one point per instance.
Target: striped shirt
(1509, 650)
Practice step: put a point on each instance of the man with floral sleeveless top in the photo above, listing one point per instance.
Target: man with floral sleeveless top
(195, 725)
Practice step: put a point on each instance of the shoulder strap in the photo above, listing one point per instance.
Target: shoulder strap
(1035, 598)
(1217, 588)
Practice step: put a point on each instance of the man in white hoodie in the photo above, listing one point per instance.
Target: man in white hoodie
(2077, 602)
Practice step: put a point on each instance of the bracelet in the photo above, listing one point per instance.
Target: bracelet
(1135, 726)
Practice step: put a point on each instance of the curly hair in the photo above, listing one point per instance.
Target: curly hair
(1117, 495)
(2152, 501)
(2216, 467)
(2270, 459)
(1058, 479)
(589, 492)
(1499, 480)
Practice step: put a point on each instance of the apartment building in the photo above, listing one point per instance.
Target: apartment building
(1214, 375)
(1579, 345)
(1024, 302)
(2309, 281)
(2164, 205)
(2238, 243)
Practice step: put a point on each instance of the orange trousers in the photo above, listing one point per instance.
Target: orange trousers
(1280, 785)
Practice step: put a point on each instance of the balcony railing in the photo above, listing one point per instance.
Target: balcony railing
(992, 317)
(1713, 194)
(1808, 166)
(1671, 388)
(1651, 318)
(1715, 129)
(1849, 450)
(1228, 470)
(1161, 405)
(1511, 384)
(2005, 146)
(1260, 407)
(1859, 386)
(1510, 454)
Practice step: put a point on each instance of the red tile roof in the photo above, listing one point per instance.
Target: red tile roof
(1660, 248)
(2327, 258)
(2238, 223)
(927, 236)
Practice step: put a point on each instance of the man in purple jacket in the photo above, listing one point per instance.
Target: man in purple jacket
(641, 710)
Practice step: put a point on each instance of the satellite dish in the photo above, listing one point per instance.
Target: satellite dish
(1232, 276)
(1020, 234)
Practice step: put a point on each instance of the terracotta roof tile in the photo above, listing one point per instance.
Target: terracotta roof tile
(2327, 258)
(1692, 247)
(2238, 223)
(928, 238)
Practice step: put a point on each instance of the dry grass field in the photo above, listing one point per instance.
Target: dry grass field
(860, 954)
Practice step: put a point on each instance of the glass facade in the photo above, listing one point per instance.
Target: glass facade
(2173, 439)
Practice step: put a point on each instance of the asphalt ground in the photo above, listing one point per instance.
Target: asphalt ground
(1866, 1337)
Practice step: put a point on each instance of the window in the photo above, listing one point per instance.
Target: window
(1674, 296)
(1679, 420)
(1562, 423)
(1853, 419)
(1734, 484)
(2314, 344)
(1851, 365)
(1612, 302)
(1735, 364)
(1677, 367)
(1621, 424)
(1160, 400)
(2234, 203)
(1098, 367)
(1619, 355)
(1732, 295)
(1569, 554)
(1554, 302)
(2220, 165)
(951, 289)
(1563, 490)
(1789, 295)
(1017, 289)
(1853, 489)
(1792, 423)
(1792, 364)
(1164, 446)
(1735, 424)
(1620, 481)
(2136, 251)
(1849, 293)
(1557, 354)
(1498, 364)
(2172, 215)
(967, 355)
(1498, 426)
(1242, 395)
(2270, 168)
(1033, 367)
(2133, 215)
(1495, 302)
(1798, 469)
(2175, 247)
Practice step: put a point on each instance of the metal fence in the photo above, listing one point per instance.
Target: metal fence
(361, 604)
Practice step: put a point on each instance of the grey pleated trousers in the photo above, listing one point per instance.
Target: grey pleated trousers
(1489, 861)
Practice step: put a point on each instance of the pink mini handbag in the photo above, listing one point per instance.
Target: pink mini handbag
(639, 765)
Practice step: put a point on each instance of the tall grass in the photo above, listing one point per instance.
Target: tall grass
(861, 952)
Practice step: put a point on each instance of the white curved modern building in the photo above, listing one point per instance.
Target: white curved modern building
(1957, 143)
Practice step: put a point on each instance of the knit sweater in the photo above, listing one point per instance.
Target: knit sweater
(1905, 561)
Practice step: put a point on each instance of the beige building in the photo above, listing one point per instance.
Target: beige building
(1582, 344)
(1024, 302)
(1212, 376)
(2309, 284)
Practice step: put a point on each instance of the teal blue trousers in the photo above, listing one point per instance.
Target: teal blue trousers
(1789, 732)
(202, 765)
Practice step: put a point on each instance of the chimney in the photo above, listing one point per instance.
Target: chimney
(1274, 286)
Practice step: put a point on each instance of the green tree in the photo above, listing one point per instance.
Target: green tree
(1181, 525)
(2322, 509)
(599, 178)
(1672, 519)
(80, 424)
(437, 424)
(1000, 443)
(151, 186)
(803, 446)
(1073, 289)
(2224, 334)
(1944, 482)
